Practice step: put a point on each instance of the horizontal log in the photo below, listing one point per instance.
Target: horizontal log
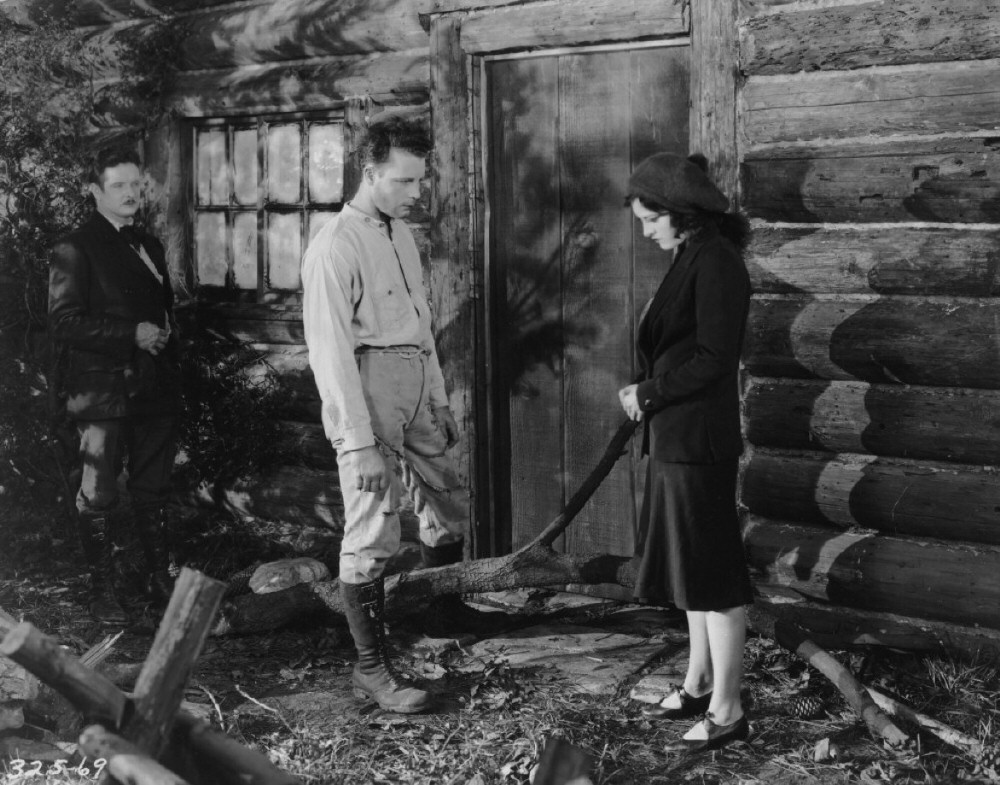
(290, 494)
(251, 33)
(902, 340)
(936, 98)
(883, 260)
(81, 13)
(945, 180)
(914, 498)
(921, 423)
(302, 86)
(246, 328)
(927, 579)
(431, 7)
(851, 628)
(888, 32)
(308, 443)
(570, 22)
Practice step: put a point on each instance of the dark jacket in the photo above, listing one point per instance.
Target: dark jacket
(99, 291)
(689, 346)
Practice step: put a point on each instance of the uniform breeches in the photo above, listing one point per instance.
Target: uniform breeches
(406, 432)
(146, 447)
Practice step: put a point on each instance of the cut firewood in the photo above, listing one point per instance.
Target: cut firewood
(89, 691)
(970, 746)
(125, 762)
(177, 646)
(853, 691)
(95, 696)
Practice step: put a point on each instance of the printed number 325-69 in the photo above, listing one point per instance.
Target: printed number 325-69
(19, 769)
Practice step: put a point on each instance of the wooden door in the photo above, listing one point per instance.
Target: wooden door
(568, 273)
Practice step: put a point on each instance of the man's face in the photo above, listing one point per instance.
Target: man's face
(395, 184)
(120, 193)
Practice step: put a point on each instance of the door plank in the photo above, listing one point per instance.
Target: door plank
(597, 245)
(527, 277)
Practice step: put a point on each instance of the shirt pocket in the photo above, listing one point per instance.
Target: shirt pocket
(393, 309)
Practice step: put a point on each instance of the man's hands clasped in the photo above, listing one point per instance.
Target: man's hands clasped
(151, 338)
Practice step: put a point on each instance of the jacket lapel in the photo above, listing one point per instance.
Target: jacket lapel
(128, 257)
(671, 286)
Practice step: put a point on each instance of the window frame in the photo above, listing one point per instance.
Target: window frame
(263, 292)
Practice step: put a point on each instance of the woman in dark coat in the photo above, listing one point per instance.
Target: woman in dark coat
(689, 547)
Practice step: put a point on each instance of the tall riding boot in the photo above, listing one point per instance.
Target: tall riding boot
(374, 676)
(448, 613)
(95, 539)
(150, 527)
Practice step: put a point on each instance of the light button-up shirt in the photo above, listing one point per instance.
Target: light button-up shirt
(362, 286)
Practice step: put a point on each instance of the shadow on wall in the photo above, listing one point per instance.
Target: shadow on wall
(863, 375)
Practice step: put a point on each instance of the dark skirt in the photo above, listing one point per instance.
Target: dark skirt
(689, 544)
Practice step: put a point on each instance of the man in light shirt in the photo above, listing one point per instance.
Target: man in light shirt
(385, 410)
(110, 318)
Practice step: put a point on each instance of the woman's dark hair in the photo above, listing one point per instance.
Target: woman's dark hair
(399, 132)
(733, 226)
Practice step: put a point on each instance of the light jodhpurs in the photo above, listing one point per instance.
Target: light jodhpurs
(149, 444)
(394, 383)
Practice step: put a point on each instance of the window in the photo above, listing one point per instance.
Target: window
(262, 188)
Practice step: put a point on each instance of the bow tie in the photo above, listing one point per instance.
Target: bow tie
(130, 235)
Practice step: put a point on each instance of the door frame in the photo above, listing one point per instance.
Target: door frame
(458, 263)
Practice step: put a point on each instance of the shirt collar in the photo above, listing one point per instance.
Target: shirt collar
(354, 212)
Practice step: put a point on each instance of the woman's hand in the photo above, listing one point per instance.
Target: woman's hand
(630, 401)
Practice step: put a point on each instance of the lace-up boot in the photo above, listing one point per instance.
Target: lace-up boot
(374, 675)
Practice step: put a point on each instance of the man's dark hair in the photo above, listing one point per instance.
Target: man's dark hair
(398, 132)
(108, 158)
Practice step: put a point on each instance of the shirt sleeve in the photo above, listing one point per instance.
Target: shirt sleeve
(722, 294)
(329, 293)
(70, 318)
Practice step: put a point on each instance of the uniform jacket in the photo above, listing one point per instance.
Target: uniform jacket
(100, 289)
(689, 346)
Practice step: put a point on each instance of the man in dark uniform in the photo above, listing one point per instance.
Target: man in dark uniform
(111, 317)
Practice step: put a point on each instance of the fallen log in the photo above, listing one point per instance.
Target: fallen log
(90, 692)
(853, 691)
(95, 696)
(970, 746)
(177, 646)
(125, 761)
(536, 564)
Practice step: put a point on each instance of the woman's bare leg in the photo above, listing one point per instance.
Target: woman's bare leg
(726, 636)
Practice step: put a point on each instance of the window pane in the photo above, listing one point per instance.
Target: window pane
(213, 175)
(326, 162)
(284, 164)
(245, 165)
(210, 236)
(245, 250)
(284, 250)
(317, 220)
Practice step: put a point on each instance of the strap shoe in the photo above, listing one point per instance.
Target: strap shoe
(717, 736)
(690, 706)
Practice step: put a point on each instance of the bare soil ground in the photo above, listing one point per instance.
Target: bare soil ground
(288, 692)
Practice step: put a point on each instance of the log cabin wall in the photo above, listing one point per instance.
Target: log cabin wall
(252, 59)
(870, 165)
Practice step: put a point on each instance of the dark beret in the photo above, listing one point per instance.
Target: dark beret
(680, 184)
